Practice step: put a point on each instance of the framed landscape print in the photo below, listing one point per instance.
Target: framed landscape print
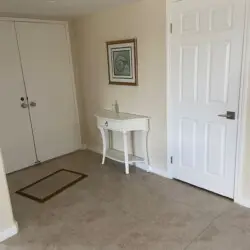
(122, 62)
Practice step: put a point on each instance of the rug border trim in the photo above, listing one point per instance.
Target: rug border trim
(20, 191)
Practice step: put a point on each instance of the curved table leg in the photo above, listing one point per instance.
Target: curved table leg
(145, 149)
(125, 140)
(104, 143)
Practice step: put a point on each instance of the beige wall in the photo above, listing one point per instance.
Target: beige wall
(145, 20)
(78, 85)
(6, 217)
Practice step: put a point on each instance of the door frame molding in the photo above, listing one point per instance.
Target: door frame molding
(74, 83)
(242, 126)
(71, 61)
(169, 137)
(242, 116)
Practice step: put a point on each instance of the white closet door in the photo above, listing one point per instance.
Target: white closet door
(48, 76)
(16, 139)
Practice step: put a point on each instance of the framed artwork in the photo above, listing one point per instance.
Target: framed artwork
(122, 62)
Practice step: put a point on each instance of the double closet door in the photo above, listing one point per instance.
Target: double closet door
(38, 116)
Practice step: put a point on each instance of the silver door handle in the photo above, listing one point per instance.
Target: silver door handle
(229, 115)
(24, 105)
(225, 115)
(32, 104)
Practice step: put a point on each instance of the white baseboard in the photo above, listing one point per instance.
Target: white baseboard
(170, 172)
(242, 202)
(94, 149)
(83, 147)
(142, 166)
(9, 232)
(162, 173)
(152, 170)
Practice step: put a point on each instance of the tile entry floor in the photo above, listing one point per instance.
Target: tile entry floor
(109, 211)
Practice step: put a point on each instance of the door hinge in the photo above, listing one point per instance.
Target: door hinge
(171, 28)
(171, 159)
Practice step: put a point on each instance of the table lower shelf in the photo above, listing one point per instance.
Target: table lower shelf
(117, 155)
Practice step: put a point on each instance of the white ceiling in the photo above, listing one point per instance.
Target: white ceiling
(67, 8)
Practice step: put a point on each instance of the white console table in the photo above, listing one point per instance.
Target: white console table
(125, 123)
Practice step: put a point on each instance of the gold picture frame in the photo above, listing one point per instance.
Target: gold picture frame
(122, 62)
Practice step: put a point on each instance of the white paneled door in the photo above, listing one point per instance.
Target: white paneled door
(206, 54)
(16, 140)
(48, 74)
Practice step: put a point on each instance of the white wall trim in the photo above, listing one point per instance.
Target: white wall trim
(170, 171)
(152, 170)
(169, 139)
(94, 149)
(243, 202)
(31, 20)
(242, 114)
(144, 167)
(9, 232)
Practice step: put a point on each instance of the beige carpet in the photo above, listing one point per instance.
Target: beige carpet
(112, 211)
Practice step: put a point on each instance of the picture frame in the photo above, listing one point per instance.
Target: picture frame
(122, 62)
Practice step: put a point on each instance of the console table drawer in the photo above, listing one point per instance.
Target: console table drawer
(121, 125)
(109, 124)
